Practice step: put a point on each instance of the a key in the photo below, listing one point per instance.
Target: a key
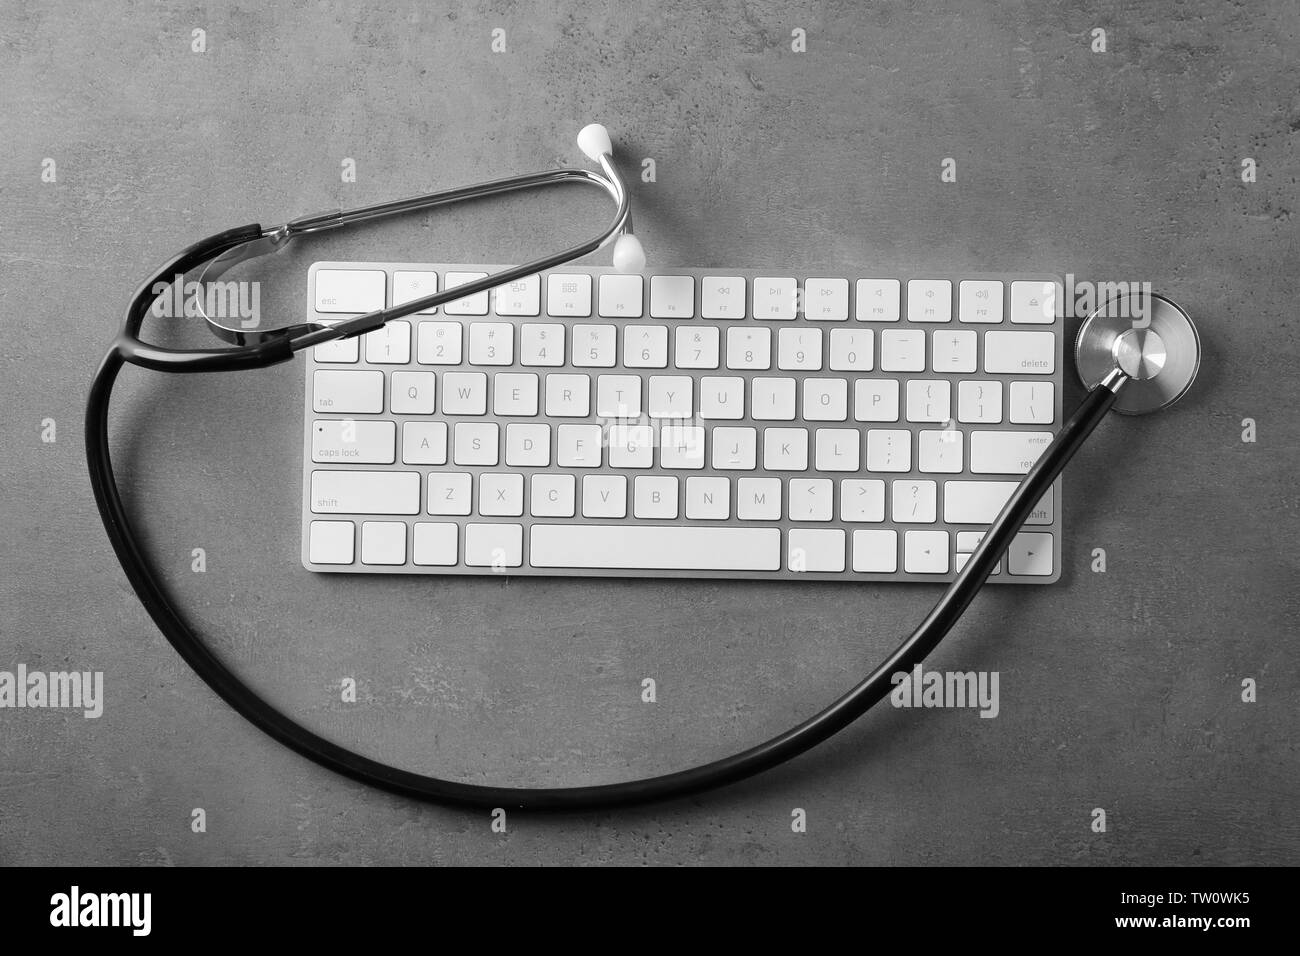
(826, 300)
(722, 398)
(1030, 553)
(491, 343)
(902, 350)
(979, 402)
(876, 300)
(1033, 302)
(785, 449)
(913, 501)
(350, 290)
(412, 393)
(568, 396)
(681, 447)
(758, 499)
(365, 492)
(552, 496)
(383, 542)
(875, 552)
(520, 297)
(618, 396)
(1006, 453)
(979, 300)
(435, 543)
(654, 496)
(494, 545)
(579, 446)
(862, 499)
(749, 347)
(929, 300)
(464, 393)
(811, 499)
(438, 343)
(929, 400)
(500, 495)
(775, 298)
(620, 296)
(875, 400)
(604, 496)
(623, 547)
(889, 449)
(825, 399)
(424, 443)
(925, 552)
(631, 446)
(390, 345)
(476, 443)
(409, 286)
(331, 542)
(514, 393)
(341, 391)
(696, 347)
(940, 451)
(528, 444)
(672, 297)
(799, 349)
(1020, 353)
(594, 346)
(541, 344)
(708, 499)
(1032, 403)
(772, 399)
(353, 442)
(734, 449)
(837, 449)
(645, 346)
(722, 297)
(449, 493)
(851, 350)
(979, 502)
(476, 304)
(815, 550)
(568, 294)
(670, 396)
(953, 351)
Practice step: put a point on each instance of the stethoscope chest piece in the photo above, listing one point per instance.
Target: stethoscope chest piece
(1159, 352)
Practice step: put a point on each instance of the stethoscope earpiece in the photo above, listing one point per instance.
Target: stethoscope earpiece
(1148, 339)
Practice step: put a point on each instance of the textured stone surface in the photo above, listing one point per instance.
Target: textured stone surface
(1119, 690)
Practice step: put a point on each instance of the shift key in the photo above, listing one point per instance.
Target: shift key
(365, 492)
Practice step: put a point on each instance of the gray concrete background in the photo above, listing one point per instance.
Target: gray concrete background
(1119, 690)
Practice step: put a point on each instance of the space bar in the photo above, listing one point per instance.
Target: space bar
(636, 547)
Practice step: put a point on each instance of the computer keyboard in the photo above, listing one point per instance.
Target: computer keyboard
(687, 423)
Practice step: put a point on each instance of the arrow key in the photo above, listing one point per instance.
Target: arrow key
(1030, 553)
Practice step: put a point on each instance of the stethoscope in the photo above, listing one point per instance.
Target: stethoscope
(1133, 368)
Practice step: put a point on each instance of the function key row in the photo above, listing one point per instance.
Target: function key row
(776, 298)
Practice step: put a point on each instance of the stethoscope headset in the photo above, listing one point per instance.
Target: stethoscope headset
(1133, 370)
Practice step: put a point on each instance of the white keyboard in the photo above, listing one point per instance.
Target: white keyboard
(685, 423)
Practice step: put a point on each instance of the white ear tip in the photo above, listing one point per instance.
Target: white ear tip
(628, 254)
(593, 140)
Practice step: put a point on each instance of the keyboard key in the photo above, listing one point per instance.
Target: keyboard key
(1020, 353)
(940, 451)
(799, 349)
(979, 300)
(672, 297)
(568, 295)
(412, 393)
(980, 502)
(1006, 453)
(1030, 553)
(541, 344)
(390, 345)
(594, 346)
(620, 296)
(579, 446)
(734, 449)
(772, 399)
(811, 499)
(339, 350)
(758, 499)
(514, 393)
(449, 493)
(330, 542)
(552, 496)
(929, 400)
(528, 444)
(568, 396)
(624, 547)
(604, 496)
(409, 286)
(491, 343)
(785, 449)
(826, 300)
(722, 297)
(851, 350)
(696, 347)
(708, 499)
(476, 443)
(815, 550)
(1032, 403)
(979, 402)
(383, 542)
(500, 495)
(1033, 303)
(913, 501)
(342, 391)
(825, 399)
(645, 346)
(476, 304)
(902, 350)
(775, 298)
(365, 492)
(722, 398)
(875, 552)
(749, 348)
(925, 552)
(889, 449)
(438, 343)
(521, 297)
(631, 446)
(681, 446)
(618, 396)
(356, 291)
(464, 393)
(424, 443)
(837, 449)
(655, 497)
(953, 351)
(929, 300)
(494, 545)
(670, 396)
(435, 544)
(877, 300)
(354, 442)
(862, 499)
(875, 400)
